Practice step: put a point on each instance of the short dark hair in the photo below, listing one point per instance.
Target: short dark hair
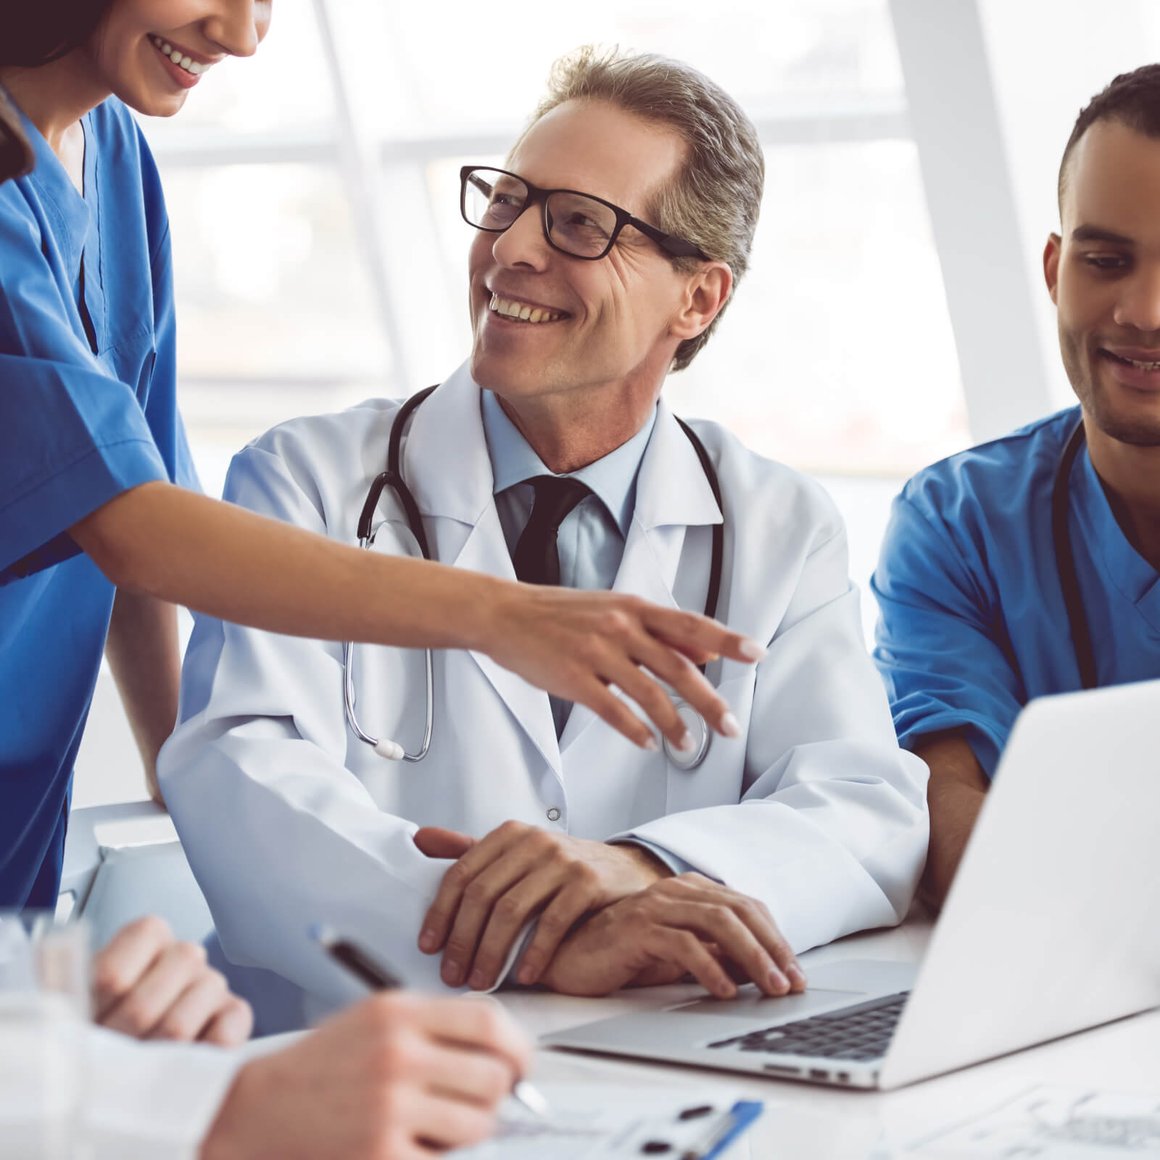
(32, 34)
(1132, 100)
(716, 196)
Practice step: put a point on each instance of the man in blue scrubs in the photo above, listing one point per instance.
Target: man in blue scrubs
(974, 621)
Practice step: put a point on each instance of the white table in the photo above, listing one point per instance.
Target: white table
(808, 1122)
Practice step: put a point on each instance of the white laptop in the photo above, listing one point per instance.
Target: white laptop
(1050, 927)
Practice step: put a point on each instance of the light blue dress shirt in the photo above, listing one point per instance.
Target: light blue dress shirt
(592, 535)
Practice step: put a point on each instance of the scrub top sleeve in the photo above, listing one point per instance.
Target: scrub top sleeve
(938, 643)
(72, 440)
(73, 437)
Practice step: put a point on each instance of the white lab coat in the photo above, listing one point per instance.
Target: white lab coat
(143, 1100)
(289, 820)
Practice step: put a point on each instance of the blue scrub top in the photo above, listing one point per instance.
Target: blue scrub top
(87, 410)
(973, 622)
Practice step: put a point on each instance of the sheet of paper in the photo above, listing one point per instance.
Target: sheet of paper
(1055, 1123)
(600, 1121)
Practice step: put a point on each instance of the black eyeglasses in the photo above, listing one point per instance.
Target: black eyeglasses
(575, 223)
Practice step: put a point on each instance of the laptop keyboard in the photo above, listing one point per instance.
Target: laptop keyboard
(857, 1033)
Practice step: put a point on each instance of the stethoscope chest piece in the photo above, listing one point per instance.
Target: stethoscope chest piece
(692, 757)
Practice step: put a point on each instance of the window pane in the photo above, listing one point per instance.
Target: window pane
(270, 286)
(494, 72)
(837, 354)
(283, 87)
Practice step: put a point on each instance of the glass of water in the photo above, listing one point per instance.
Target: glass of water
(45, 1004)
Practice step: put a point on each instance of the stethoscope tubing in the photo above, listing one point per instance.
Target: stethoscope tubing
(1081, 636)
(393, 478)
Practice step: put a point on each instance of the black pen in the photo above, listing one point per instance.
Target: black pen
(369, 971)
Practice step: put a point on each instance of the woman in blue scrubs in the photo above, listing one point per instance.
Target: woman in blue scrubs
(102, 530)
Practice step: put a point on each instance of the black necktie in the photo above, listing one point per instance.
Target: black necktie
(536, 557)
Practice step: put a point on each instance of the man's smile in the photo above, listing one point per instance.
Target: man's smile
(523, 311)
(1142, 358)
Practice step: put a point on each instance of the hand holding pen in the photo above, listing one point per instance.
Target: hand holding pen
(397, 1074)
(362, 965)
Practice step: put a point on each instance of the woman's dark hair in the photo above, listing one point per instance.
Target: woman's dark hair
(15, 152)
(35, 32)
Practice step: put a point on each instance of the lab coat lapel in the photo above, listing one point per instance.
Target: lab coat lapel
(445, 458)
(672, 495)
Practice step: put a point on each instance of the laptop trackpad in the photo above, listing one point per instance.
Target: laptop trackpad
(752, 1006)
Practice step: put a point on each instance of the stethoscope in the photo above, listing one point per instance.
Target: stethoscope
(1081, 636)
(698, 730)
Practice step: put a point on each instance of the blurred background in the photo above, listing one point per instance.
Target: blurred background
(894, 312)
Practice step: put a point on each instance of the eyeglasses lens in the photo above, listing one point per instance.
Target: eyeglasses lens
(576, 224)
(579, 225)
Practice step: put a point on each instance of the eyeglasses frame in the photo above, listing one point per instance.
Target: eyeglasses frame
(671, 244)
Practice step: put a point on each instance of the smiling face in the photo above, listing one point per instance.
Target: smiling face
(1103, 272)
(554, 331)
(150, 53)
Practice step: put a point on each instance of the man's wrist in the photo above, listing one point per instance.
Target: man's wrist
(648, 861)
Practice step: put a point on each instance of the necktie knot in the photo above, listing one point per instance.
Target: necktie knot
(536, 558)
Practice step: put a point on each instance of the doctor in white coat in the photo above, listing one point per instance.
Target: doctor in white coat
(806, 825)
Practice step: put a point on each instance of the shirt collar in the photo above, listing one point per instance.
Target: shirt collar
(612, 478)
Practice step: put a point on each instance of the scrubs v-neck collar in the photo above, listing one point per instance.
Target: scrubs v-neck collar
(1125, 570)
(75, 215)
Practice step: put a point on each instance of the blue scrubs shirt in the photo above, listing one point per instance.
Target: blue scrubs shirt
(973, 622)
(87, 410)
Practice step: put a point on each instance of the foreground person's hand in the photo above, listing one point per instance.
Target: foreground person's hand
(686, 925)
(576, 644)
(397, 1077)
(149, 985)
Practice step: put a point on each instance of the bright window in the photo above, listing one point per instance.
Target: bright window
(313, 196)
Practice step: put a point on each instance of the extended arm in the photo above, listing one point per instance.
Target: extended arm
(160, 540)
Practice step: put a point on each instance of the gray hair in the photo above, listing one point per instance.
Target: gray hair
(715, 199)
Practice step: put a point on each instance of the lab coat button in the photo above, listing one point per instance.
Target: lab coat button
(553, 815)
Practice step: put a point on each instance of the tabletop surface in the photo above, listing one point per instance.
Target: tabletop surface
(809, 1122)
